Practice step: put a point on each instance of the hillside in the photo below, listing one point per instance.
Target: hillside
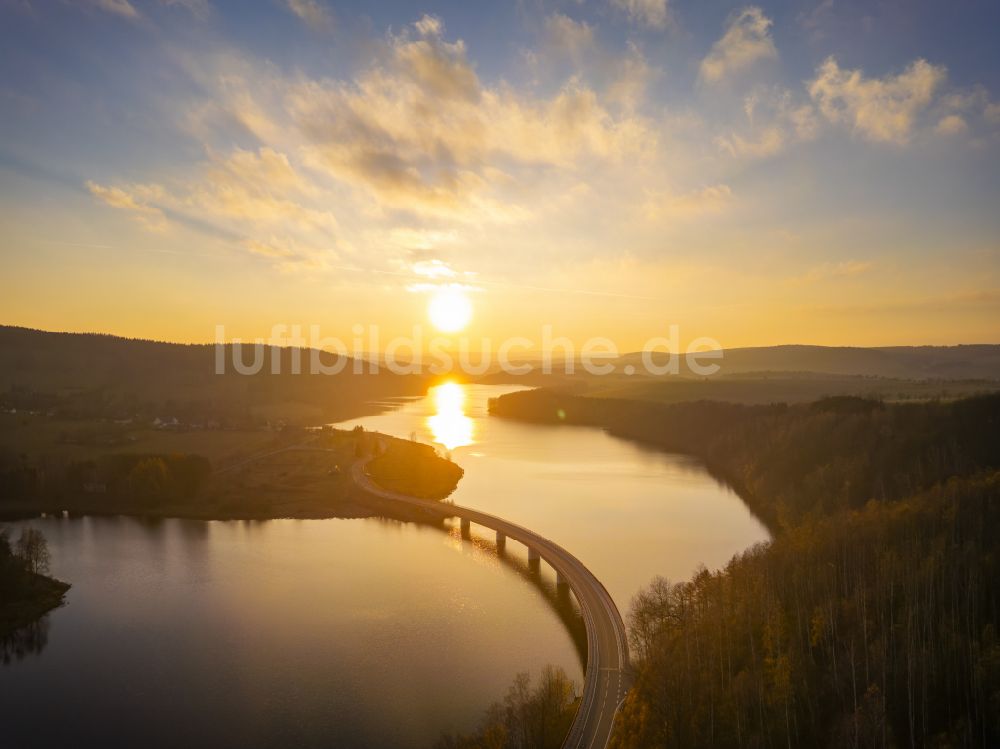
(100, 376)
(966, 362)
(783, 387)
(871, 617)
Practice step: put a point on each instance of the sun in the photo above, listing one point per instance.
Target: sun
(450, 310)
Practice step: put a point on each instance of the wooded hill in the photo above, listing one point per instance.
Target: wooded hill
(871, 619)
(100, 376)
(965, 362)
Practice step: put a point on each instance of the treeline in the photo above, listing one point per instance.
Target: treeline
(86, 377)
(144, 479)
(869, 621)
(28, 556)
(791, 462)
(527, 718)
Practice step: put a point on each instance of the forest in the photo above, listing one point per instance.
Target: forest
(145, 480)
(870, 619)
(529, 715)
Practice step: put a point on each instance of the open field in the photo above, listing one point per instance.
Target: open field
(208, 473)
(77, 439)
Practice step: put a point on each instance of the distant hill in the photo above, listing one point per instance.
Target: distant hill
(89, 375)
(964, 362)
(783, 387)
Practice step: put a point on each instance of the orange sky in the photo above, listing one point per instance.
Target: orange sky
(741, 173)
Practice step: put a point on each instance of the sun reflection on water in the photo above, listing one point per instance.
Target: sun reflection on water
(449, 424)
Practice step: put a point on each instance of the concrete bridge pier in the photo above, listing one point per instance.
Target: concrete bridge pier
(501, 542)
(466, 527)
(533, 559)
(562, 584)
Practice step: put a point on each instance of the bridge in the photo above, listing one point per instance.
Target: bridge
(607, 669)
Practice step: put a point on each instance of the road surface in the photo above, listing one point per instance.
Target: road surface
(607, 673)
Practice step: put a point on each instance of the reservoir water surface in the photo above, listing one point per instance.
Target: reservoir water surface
(352, 632)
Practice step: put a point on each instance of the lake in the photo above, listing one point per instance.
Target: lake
(353, 632)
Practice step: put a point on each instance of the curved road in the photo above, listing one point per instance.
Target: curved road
(606, 679)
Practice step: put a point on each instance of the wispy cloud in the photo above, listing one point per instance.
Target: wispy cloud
(256, 197)
(122, 8)
(774, 119)
(200, 9)
(842, 269)
(747, 39)
(652, 13)
(951, 124)
(137, 199)
(706, 200)
(434, 269)
(311, 12)
(569, 37)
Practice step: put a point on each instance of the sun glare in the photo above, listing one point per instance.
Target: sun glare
(450, 310)
(449, 424)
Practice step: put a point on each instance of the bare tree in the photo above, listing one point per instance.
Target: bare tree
(33, 551)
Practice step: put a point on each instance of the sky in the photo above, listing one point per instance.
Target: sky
(804, 171)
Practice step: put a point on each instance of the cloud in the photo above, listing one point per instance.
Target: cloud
(707, 200)
(198, 8)
(286, 253)
(429, 26)
(880, 109)
(410, 157)
(256, 197)
(419, 241)
(941, 303)
(747, 40)
(775, 118)
(631, 75)
(421, 132)
(969, 104)
(951, 124)
(259, 187)
(843, 269)
(433, 269)
(652, 13)
(137, 199)
(569, 37)
(312, 12)
(816, 19)
(439, 67)
(765, 142)
(119, 7)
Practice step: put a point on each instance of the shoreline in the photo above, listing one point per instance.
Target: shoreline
(317, 492)
(47, 594)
